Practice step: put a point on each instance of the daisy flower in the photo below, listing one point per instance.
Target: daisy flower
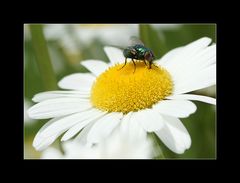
(119, 145)
(148, 100)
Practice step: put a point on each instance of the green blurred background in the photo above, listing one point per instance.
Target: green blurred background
(68, 44)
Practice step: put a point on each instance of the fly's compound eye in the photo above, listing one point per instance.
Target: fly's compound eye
(148, 56)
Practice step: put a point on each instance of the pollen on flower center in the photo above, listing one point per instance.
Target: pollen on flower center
(121, 90)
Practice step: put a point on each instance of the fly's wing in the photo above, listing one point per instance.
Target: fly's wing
(132, 41)
(119, 47)
(135, 40)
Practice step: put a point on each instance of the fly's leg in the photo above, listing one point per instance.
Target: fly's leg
(145, 62)
(124, 64)
(155, 65)
(134, 65)
(150, 65)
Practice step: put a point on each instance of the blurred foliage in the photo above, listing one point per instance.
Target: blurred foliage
(188, 33)
(151, 39)
(42, 57)
(201, 125)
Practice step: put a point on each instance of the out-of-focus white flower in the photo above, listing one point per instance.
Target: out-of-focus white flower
(60, 33)
(166, 26)
(109, 34)
(118, 146)
(148, 100)
(27, 119)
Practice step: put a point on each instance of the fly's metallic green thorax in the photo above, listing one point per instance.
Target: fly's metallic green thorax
(142, 51)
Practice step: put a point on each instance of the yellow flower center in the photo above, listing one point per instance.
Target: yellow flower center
(123, 90)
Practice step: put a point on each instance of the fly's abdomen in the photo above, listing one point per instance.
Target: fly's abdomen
(126, 53)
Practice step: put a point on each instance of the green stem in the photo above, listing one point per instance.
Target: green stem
(42, 57)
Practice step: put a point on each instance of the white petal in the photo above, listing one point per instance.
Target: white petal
(95, 66)
(168, 56)
(58, 107)
(195, 63)
(193, 70)
(46, 142)
(200, 43)
(125, 122)
(51, 153)
(203, 58)
(78, 127)
(148, 119)
(60, 94)
(176, 108)
(103, 127)
(77, 81)
(82, 136)
(115, 55)
(40, 142)
(201, 98)
(36, 139)
(67, 122)
(202, 79)
(55, 127)
(181, 62)
(174, 135)
(187, 52)
(131, 128)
